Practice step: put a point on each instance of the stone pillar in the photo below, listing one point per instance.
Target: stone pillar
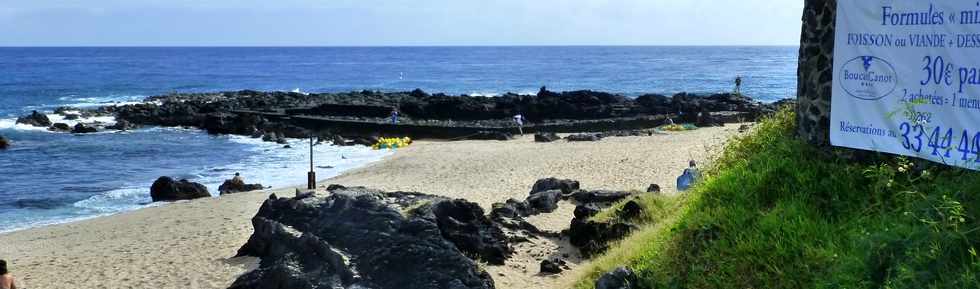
(815, 71)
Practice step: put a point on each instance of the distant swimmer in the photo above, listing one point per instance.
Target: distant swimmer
(6, 279)
(738, 85)
(519, 121)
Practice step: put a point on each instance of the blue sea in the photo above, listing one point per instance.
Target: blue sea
(48, 178)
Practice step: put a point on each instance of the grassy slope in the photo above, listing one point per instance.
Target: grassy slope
(775, 212)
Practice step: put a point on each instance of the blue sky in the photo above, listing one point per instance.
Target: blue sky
(398, 22)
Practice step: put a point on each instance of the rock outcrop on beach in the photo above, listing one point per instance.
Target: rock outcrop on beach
(166, 189)
(356, 115)
(619, 278)
(35, 119)
(237, 186)
(360, 238)
(546, 137)
(4, 143)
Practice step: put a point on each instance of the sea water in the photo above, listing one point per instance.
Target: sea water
(48, 177)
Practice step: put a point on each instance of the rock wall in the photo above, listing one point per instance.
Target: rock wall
(816, 69)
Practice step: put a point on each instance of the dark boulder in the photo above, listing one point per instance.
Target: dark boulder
(548, 184)
(122, 124)
(653, 188)
(510, 209)
(600, 196)
(585, 211)
(234, 186)
(166, 189)
(339, 140)
(630, 211)
(83, 128)
(620, 278)
(60, 127)
(546, 137)
(492, 135)
(552, 266)
(357, 238)
(584, 137)
(544, 202)
(464, 224)
(593, 237)
(706, 119)
(35, 119)
(4, 143)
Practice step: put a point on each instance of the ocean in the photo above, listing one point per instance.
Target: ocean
(48, 178)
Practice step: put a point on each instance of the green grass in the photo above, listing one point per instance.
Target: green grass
(775, 212)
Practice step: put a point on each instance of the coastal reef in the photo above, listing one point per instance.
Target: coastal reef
(358, 117)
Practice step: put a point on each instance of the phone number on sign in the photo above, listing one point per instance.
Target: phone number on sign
(917, 137)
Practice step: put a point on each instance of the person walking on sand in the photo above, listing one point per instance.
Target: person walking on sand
(738, 85)
(6, 280)
(519, 121)
(394, 116)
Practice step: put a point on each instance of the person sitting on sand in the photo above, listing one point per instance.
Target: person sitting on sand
(6, 280)
(238, 179)
(688, 177)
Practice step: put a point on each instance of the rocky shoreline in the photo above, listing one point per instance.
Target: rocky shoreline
(356, 237)
(362, 117)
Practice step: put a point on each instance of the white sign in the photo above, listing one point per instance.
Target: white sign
(906, 79)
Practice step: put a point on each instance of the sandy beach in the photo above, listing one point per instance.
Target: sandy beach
(190, 244)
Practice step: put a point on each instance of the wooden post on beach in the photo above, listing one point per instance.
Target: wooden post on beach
(311, 176)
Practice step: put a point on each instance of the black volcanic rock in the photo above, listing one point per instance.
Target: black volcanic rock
(83, 128)
(4, 143)
(232, 186)
(593, 237)
(599, 196)
(552, 266)
(122, 125)
(619, 278)
(166, 189)
(584, 137)
(359, 238)
(35, 119)
(464, 224)
(492, 135)
(544, 202)
(423, 115)
(546, 137)
(548, 184)
(653, 188)
(60, 127)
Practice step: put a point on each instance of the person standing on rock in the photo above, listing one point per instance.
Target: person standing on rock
(738, 85)
(519, 121)
(394, 116)
(6, 280)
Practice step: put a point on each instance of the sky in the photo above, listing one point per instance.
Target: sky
(398, 22)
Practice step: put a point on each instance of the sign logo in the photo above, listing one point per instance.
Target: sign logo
(868, 78)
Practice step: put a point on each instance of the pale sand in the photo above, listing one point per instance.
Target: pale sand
(190, 244)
